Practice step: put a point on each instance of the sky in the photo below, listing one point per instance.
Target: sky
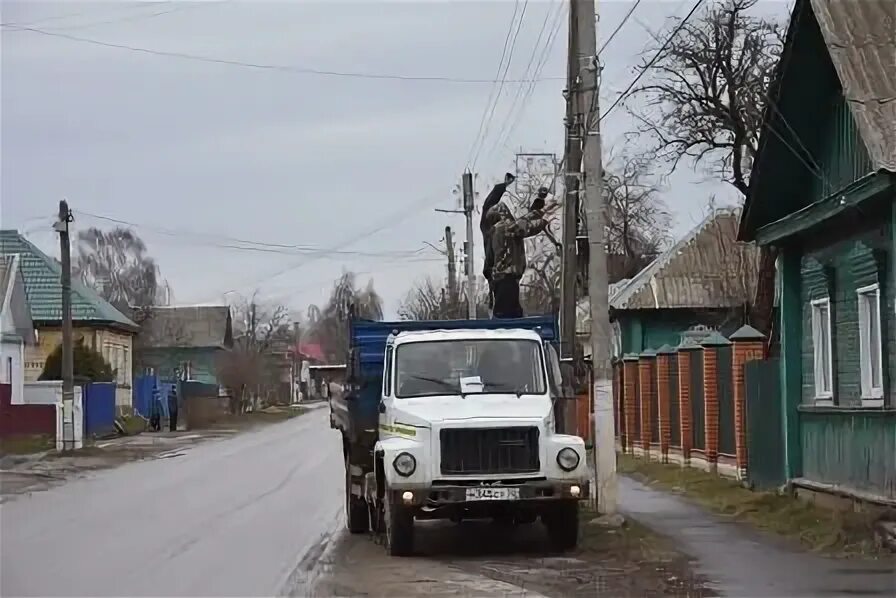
(335, 126)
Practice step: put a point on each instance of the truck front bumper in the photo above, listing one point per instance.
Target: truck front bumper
(525, 492)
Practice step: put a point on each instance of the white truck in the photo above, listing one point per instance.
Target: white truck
(462, 426)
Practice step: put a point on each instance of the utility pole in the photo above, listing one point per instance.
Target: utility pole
(452, 270)
(68, 360)
(573, 161)
(467, 186)
(598, 285)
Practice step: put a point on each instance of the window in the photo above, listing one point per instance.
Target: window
(870, 346)
(9, 370)
(387, 375)
(823, 363)
(433, 368)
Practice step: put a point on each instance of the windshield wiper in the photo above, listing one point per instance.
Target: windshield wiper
(506, 388)
(442, 383)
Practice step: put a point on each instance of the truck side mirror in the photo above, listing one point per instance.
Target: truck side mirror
(382, 407)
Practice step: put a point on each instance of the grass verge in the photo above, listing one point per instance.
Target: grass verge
(842, 533)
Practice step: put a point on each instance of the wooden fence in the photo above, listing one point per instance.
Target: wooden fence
(687, 404)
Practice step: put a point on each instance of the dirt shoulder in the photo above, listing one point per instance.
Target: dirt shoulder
(30, 465)
(483, 558)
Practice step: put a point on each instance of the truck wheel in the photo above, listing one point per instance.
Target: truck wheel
(356, 516)
(563, 525)
(399, 524)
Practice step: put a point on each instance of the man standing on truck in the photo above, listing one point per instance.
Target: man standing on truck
(491, 201)
(507, 242)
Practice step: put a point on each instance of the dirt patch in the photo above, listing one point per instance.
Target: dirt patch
(482, 558)
(25, 445)
(840, 533)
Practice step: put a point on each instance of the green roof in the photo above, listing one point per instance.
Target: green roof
(41, 274)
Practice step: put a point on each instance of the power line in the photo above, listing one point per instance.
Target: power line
(77, 14)
(527, 95)
(488, 101)
(138, 17)
(655, 57)
(503, 79)
(194, 237)
(268, 67)
(618, 27)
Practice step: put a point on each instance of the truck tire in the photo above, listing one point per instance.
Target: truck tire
(563, 525)
(356, 516)
(399, 524)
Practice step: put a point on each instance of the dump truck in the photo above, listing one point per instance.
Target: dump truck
(457, 420)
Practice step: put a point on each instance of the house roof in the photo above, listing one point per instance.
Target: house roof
(860, 40)
(14, 313)
(707, 268)
(43, 288)
(192, 326)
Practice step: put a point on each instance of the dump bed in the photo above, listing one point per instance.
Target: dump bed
(358, 411)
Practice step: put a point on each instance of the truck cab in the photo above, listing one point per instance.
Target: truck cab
(465, 428)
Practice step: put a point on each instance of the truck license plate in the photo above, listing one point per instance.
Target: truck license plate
(493, 493)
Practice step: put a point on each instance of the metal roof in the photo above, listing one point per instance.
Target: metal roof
(193, 326)
(707, 268)
(43, 287)
(861, 39)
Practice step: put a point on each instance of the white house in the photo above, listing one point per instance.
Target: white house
(16, 328)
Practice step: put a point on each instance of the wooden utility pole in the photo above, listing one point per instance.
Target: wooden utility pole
(572, 158)
(452, 270)
(68, 359)
(467, 187)
(598, 285)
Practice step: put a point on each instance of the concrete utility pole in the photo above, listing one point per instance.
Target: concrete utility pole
(598, 285)
(467, 186)
(573, 161)
(68, 359)
(452, 269)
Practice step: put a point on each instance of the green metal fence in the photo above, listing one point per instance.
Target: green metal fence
(765, 434)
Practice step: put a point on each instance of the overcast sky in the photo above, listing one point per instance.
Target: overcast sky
(350, 165)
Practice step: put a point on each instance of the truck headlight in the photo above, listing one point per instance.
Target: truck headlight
(405, 464)
(568, 459)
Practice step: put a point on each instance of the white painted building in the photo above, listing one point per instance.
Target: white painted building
(16, 328)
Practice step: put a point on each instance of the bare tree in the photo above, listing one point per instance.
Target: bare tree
(328, 326)
(638, 222)
(428, 300)
(116, 263)
(706, 92)
(250, 370)
(705, 99)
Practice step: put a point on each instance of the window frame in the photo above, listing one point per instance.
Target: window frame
(822, 396)
(387, 373)
(871, 395)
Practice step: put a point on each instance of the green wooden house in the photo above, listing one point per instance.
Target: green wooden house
(706, 279)
(184, 342)
(823, 194)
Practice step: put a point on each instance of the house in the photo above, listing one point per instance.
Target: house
(823, 195)
(95, 320)
(183, 342)
(16, 327)
(705, 278)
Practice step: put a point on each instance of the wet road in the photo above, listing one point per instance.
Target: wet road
(236, 517)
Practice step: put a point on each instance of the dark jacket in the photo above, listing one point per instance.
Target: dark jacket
(507, 239)
(491, 201)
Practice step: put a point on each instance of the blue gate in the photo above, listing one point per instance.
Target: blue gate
(99, 408)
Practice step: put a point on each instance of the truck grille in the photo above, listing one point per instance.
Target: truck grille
(469, 451)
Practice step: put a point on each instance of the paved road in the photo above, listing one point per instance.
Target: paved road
(237, 517)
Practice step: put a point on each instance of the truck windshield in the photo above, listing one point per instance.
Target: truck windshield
(431, 368)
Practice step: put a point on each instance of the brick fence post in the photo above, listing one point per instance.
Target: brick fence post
(646, 378)
(630, 381)
(711, 345)
(687, 351)
(749, 345)
(663, 367)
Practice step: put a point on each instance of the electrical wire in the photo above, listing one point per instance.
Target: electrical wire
(503, 79)
(79, 14)
(618, 27)
(526, 96)
(268, 67)
(491, 92)
(194, 237)
(655, 57)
